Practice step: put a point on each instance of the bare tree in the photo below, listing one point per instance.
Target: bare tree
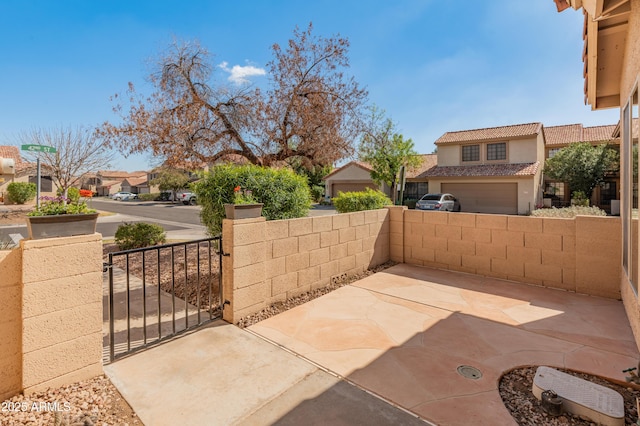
(78, 151)
(312, 110)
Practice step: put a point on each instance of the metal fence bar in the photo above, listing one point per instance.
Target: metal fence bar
(128, 305)
(112, 343)
(133, 304)
(173, 291)
(186, 287)
(144, 299)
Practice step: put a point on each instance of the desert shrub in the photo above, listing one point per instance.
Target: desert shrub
(317, 192)
(579, 198)
(368, 199)
(285, 195)
(410, 202)
(572, 211)
(138, 235)
(21, 192)
(154, 196)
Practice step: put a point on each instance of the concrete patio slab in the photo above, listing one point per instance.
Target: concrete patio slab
(222, 375)
(402, 334)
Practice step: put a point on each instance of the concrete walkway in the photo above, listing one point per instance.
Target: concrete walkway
(400, 334)
(222, 375)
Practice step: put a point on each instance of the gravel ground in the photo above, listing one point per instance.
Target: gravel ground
(515, 391)
(87, 403)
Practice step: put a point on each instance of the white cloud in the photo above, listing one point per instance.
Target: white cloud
(240, 74)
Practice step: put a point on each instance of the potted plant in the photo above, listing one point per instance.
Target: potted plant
(61, 217)
(244, 205)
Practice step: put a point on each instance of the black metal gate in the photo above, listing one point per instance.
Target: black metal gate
(156, 293)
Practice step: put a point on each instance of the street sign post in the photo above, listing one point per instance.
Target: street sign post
(38, 148)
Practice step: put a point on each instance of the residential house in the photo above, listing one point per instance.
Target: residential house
(353, 176)
(109, 182)
(558, 137)
(492, 170)
(356, 176)
(611, 55)
(14, 169)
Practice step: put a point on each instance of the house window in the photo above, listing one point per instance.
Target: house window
(415, 190)
(496, 151)
(471, 153)
(46, 183)
(553, 152)
(629, 174)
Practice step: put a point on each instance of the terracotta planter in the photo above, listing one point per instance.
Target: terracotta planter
(243, 211)
(63, 225)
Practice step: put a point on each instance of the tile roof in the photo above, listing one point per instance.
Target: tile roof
(361, 164)
(518, 169)
(492, 133)
(10, 152)
(570, 133)
(428, 162)
(135, 181)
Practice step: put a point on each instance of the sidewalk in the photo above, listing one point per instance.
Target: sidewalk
(223, 375)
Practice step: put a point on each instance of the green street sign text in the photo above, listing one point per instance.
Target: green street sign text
(37, 148)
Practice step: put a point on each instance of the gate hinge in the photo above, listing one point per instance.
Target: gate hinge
(106, 266)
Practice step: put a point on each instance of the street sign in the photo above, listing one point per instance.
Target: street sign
(38, 148)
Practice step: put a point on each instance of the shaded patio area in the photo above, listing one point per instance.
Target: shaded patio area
(402, 334)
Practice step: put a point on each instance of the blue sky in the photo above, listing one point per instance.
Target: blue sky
(433, 65)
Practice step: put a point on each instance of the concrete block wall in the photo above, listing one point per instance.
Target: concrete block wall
(581, 254)
(61, 311)
(50, 313)
(270, 261)
(10, 323)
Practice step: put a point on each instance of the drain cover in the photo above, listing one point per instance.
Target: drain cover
(469, 372)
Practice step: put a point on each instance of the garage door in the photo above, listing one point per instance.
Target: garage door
(485, 197)
(351, 187)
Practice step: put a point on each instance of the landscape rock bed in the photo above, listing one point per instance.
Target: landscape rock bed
(90, 402)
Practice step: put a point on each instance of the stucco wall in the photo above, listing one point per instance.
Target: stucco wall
(631, 67)
(448, 155)
(525, 150)
(271, 261)
(581, 254)
(10, 323)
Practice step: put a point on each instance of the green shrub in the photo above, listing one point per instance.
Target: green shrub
(410, 202)
(73, 194)
(572, 211)
(138, 235)
(368, 199)
(21, 192)
(285, 195)
(155, 196)
(317, 192)
(579, 198)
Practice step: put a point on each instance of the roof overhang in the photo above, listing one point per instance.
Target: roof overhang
(605, 33)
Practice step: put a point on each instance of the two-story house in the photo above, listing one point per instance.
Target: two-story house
(558, 137)
(492, 170)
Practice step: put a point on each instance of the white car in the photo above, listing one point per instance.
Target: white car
(124, 196)
(443, 202)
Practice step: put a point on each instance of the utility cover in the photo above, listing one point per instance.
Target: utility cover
(581, 397)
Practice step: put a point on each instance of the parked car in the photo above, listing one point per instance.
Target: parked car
(188, 198)
(443, 202)
(124, 196)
